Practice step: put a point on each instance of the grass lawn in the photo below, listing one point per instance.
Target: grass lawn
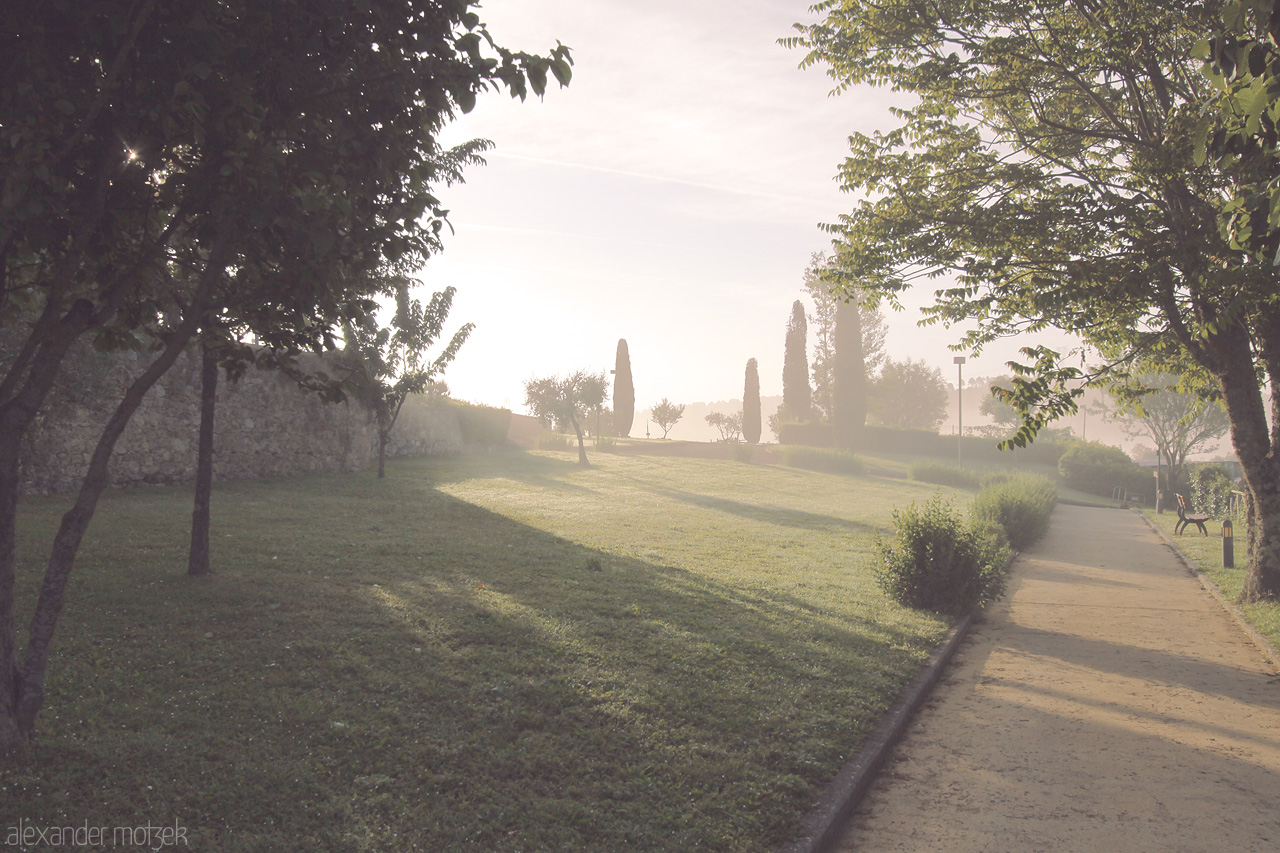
(500, 652)
(1206, 553)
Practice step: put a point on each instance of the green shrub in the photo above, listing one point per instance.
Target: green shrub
(1020, 505)
(929, 471)
(607, 443)
(743, 452)
(1099, 468)
(482, 424)
(554, 441)
(823, 459)
(806, 434)
(1211, 487)
(938, 562)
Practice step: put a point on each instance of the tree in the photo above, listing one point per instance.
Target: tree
(390, 363)
(751, 419)
(169, 169)
(1049, 166)
(909, 394)
(797, 398)
(666, 414)
(835, 321)
(729, 426)
(624, 392)
(1150, 405)
(566, 401)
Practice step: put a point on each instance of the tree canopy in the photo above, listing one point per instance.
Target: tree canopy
(390, 362)
(624, 391)
(1047, 170)
(565, 400)
(666, 414)
(909, 394)
(172, 168)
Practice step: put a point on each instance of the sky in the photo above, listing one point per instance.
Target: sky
(671, 195)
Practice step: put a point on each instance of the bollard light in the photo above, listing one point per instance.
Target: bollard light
(1228, 545)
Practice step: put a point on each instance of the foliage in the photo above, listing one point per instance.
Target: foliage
(1021, 505)
(483, 425)
(909, 394)
(797, 397)
(1099, 468)
(944, 474)
(552, 441)
(938, 562)
(742, 452)
(391, 363)
(824, 459)
(1211, 488)
(666, 414)
(172, 170)
(751, 426)
(729, 426)
(809, 434)
(1048, 169)
(848, 338)
(624, 391)
(564, 401)
(1240, 133)
(1178, 421)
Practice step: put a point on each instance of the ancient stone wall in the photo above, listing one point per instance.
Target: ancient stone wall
(265, 426)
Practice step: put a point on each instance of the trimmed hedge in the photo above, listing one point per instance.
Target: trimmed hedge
(924, 442)
(482, 424)
(1021, 504)
(943, 474)
(823, 459)
(1099, 468)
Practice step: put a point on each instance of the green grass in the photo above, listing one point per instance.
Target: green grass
(499, 652)
(1206, 553)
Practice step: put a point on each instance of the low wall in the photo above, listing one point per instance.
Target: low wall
(264, 427)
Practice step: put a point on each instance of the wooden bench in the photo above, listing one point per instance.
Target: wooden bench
(1186, 519)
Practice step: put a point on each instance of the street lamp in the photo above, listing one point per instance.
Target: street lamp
(959, 360)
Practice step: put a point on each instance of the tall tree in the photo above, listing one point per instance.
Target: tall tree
(624, 392)
(752, 425)
(391, 363)
(797, 398)
(666, 414)
(1049, 164)
(850, 399)
(565, 401)
(909, 394)
(161, 163)
(1151, 405)
(866, 333)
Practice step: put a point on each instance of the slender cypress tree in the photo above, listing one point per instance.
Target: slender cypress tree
(849, 375)
(624, 392)
(751, 425)
(796, 396)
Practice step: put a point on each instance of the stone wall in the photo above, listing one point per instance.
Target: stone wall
(264, 427)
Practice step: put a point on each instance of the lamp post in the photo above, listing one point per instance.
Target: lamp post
(959, 360)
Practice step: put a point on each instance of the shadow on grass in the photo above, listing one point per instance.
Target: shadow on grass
(446, 677)
(768, 514)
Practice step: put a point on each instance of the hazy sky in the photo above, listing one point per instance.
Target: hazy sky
(671, 195)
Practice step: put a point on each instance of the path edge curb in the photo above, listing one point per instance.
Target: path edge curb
(1264, 645)
(825, 822)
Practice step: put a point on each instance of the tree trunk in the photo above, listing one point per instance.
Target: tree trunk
(582, 448)
(1262, 579)
(382, 453)
(198, 560)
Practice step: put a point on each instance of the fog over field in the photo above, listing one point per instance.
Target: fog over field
(671, 196)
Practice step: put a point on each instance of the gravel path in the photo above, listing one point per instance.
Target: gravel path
(1108, 703)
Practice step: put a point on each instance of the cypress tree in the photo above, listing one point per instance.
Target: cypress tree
(796, 396)
(751, 425)
(849, 375)
(624, 392)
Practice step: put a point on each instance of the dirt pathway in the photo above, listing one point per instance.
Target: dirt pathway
(1106, 704)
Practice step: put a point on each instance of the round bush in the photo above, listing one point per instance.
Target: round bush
(1098, 468)
(938, 562)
